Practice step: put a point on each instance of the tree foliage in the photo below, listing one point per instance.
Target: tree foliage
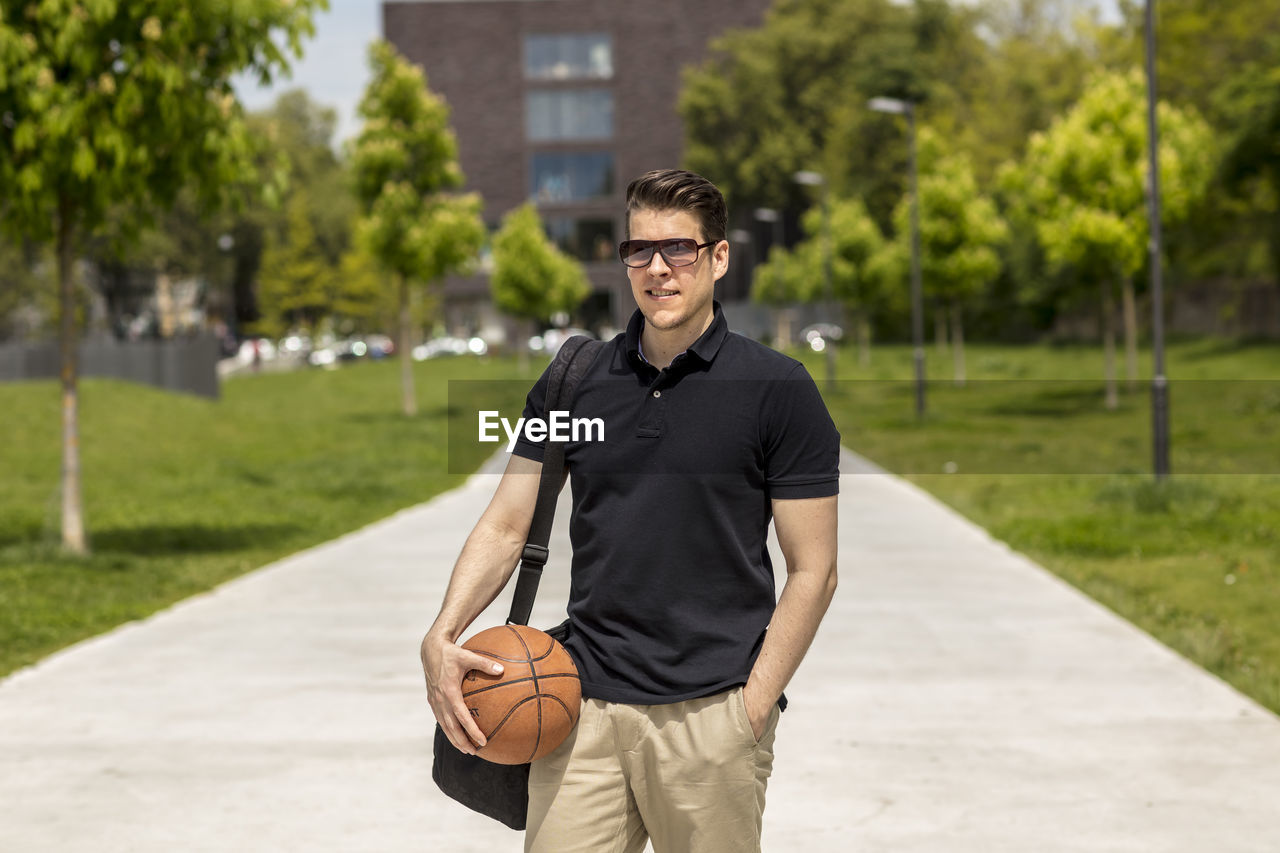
(296, 283)
(857, 279)
(1083, 181)
(961, 231)
(792, 95)
(405, 164)
(532, 279)
(105, 101)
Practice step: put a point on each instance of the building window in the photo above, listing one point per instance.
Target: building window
(568, 56)
(586, 239)
(570, 177)
(569, 114)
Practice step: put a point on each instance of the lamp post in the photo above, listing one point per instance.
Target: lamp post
(783, 316)
(768, 214)
(816, 179)
(742, 237)
(906, 108)
(1159, 384)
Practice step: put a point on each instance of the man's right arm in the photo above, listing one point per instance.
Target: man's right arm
(488, 558)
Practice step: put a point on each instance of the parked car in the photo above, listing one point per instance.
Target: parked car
(820, 335)
(263, 347)
(447, 346)
(380, 346)
(551, 340)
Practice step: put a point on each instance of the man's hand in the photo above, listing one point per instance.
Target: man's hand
(445, 664)
(758, 709)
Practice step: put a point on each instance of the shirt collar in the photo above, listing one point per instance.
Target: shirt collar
(705, 347)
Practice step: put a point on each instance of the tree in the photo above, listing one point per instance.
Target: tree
(791, 95)
(532, 279)
(1083, 184)
(404, 163)
(1251, 165)
(106, 102)
(780, 283)
(360, 300)
(960, 232)
(296, 282)
(767, 102)
(1215, 56)
(857, 279)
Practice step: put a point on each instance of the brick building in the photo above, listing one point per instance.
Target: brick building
(561, 102)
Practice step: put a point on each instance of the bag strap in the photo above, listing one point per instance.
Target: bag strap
(570, 365)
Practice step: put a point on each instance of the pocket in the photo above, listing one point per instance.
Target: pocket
(744, 720)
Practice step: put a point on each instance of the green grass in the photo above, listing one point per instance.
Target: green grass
(182, 493)
(1036, 459)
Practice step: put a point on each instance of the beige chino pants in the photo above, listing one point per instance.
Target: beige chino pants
(689, 775)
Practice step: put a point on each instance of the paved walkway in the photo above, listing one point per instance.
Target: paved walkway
(958, 698)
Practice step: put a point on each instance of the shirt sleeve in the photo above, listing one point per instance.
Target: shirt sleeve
(801, 442)
(534, 405)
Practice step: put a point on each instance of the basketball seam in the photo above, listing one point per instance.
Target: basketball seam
(533, 672)
(510, 711)
(497, 656)
(521, 681)
(567, 712)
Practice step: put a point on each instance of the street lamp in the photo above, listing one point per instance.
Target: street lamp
(906, 108)
(783, 315)
(1159, 384)
(768, 214)
(742, 237)
(816, 179)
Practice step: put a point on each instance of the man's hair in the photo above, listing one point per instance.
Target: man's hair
(675, 189)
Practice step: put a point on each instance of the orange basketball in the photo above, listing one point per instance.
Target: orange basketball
(530, 709)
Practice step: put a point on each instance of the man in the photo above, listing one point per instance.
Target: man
(707, 436)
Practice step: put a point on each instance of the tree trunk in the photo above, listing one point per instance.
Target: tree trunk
(957, 340)
(783, 341)
(1109, 345)
(524, 331)
(1130, 334)
(406, 351)
(940, 330)
(164, 304)
(73, 538)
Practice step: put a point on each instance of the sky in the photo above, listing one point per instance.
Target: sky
(334, 70)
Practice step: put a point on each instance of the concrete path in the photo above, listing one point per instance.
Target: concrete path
(958, 698)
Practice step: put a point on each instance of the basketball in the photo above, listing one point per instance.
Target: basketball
(530, 709)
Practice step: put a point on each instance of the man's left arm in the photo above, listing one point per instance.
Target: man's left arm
(806, 530)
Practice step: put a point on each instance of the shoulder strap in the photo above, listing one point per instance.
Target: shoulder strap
(571, 363)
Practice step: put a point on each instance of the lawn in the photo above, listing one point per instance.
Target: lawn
(182, 493)
(1027, 450)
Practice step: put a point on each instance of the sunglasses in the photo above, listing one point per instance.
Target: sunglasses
(677, 253)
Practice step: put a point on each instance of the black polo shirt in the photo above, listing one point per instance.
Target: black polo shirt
(672, 585)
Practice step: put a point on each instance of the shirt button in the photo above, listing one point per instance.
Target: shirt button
(657, 393)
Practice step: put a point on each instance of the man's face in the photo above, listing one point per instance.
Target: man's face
(675, 298)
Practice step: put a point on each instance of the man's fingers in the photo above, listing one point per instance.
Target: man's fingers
(457, 736)
(446, 695)
(467, 722)
(481, 663)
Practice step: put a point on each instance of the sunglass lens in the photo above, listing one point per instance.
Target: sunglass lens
(635, 253)
(680, 252)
